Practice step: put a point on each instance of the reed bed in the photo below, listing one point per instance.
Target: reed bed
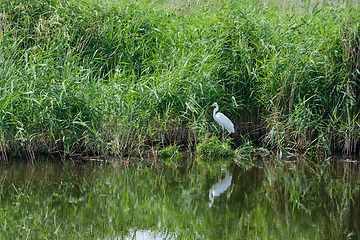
(121, 77)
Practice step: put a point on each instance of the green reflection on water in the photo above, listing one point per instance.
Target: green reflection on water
(101, 201)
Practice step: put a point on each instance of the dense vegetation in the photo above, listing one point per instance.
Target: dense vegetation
(122, 77)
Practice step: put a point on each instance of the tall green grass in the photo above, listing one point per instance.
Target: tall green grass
(120, 77)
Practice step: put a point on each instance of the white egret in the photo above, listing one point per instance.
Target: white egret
(219, 188)
(223, 120)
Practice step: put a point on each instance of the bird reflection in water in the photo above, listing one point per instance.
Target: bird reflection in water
(219, 188)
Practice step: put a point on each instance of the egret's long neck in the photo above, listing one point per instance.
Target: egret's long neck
(211, 197)
(215, 110)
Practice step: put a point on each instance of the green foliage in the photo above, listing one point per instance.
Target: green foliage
(213, 148)
(170, 154)
(248, 152)
(85, 76)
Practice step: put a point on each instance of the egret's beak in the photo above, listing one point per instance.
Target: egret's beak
(213, 105)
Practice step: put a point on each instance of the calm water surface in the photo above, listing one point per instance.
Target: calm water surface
(203, 200)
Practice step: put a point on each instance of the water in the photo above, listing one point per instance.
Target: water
(205, 200)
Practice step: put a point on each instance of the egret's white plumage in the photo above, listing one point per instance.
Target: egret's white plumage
(223, 120)
(219, 188)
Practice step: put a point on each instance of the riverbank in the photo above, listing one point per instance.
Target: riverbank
(123, 78)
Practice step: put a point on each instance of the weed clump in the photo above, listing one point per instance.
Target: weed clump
(247, 153)
(213, 148)
(171, 152)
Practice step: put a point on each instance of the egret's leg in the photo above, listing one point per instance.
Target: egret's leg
(223, 134)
